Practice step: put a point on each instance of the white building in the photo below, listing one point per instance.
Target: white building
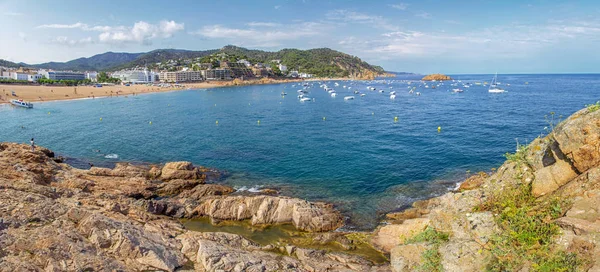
(93, 76)
(135, 76)
(282, 68)
(19, 76)
(245, 62)
(62, 75)
(34, 77)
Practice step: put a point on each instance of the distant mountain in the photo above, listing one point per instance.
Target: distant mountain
(9, 64)
(99, 62)
(323, 62)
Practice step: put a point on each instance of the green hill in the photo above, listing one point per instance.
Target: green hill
(321, 62)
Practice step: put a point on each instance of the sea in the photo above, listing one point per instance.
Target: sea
(368, 156)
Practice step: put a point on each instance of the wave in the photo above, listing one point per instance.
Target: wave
(111, 156)
(252, 189)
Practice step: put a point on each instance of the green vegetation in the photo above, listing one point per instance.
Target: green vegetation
(519, 156)
(13, 81)
(431, 258)
(527, 230)
(45, 81)
(104, 78)
(593, 107)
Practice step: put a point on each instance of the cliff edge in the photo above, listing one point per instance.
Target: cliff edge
(537, 212)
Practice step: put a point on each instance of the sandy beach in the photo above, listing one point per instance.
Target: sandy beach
(38, 93)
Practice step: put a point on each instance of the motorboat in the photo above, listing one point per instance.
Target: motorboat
(457, 90)
(393, 96)
(333, 94)
(349, 98)
(21, 103)
(305, 99)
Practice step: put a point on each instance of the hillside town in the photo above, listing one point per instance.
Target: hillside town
(171, 71)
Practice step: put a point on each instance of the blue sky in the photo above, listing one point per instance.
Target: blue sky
(414, 36)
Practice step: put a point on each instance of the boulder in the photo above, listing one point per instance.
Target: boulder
(263, 210)
(180, 170)
(389, 236)
(579, 139)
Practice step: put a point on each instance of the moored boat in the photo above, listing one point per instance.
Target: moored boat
(21, 103)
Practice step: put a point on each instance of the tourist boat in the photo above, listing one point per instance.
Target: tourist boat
(494, 86)
(457, 90)
(21, 103)
(349, 98)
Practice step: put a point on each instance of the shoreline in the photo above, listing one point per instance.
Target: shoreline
(41, 93)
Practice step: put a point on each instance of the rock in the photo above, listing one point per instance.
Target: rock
(436, 77)
(263, 210)
(180, 170)
(463, 255)
(579, 138)
(549, 179)
(57, 218)
(473, 181)
(389, 236)
(404, 258)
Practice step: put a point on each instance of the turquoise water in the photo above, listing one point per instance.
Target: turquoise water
(357, 158)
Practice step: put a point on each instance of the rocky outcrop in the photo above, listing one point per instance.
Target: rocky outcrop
(57, 218)
(564, 166)
(265, 210)
(437, 77)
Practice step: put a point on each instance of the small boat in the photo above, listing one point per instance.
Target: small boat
(381, 91)
(356, 92)
(494, 86)
(333, 94)
(362, 94)
(283, 93)
(21, 103)
(305, 99)
(301, 96)
(393, 96)
(393, 92)
(457, 90)
(349, 98)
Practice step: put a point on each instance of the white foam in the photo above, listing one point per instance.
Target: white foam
(111, 156)
(253, 189)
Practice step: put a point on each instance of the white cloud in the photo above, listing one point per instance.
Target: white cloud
(423, 15)
(81, 26)
(141, 32)
(9, 13)
(360, 18)
(260, 37)
(400, 6)
(277, 7)
(507, 41)
(263, 24)
(62, 40)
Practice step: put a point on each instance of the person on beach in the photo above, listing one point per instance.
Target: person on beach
(32, 145)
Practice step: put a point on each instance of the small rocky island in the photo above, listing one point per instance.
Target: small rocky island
(536, 212)
(436, 77)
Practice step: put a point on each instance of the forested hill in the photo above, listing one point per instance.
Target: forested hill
(322, 62)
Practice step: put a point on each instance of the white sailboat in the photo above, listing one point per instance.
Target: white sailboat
(494, 86)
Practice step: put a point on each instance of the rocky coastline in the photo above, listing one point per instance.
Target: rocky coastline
(536, 212)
